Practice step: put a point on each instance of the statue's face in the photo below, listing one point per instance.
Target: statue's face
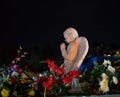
(68, 37)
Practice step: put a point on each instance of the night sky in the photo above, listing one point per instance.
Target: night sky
(41, 23)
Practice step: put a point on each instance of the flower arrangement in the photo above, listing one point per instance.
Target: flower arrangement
(15, 80)
(57, 82)
(102, 77)
(18, 81)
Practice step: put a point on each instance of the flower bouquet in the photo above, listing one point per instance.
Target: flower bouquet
(58, 83)
(16, 80)
(102, 77)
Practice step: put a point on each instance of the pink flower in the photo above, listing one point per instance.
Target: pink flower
(20, 70)
(18, 58)
(14, 67)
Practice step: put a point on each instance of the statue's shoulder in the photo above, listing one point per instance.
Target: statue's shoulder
(81, 38)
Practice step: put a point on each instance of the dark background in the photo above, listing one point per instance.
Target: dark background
(38, 25)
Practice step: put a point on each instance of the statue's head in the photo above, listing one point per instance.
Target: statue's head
(70, 34)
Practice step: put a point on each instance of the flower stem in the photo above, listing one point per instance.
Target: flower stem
(44, 92)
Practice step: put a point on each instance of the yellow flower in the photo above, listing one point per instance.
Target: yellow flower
(104, 85)
(31, 93)
(5, 92)
(23, 81)
(30, 74)
(15, 93)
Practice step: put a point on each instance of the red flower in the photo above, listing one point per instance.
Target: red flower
(49, 84)
(51, 65)
(47, 61)
(67, 80)
(53, 68)
(50, 79)
(74, 74)
(47, 92)
(60, 71)
(40, 79)
(12, 79)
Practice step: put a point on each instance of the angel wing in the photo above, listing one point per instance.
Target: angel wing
(83, 50)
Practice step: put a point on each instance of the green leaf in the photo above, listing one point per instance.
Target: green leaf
(5, 87)
(91, 79)
(92, 72)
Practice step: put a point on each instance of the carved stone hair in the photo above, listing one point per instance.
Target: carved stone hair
(71, 32)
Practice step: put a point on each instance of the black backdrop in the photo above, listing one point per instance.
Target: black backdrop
(40, 24)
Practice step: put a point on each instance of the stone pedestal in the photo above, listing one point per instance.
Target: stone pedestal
(76, 87)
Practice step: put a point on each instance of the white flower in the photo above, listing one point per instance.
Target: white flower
(14, 73)
(106, 62)
(115, 80)
(111, 69)
(108, 55)
(104, 76)
(23, 75)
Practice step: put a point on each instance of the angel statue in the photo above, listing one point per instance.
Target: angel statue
(76, 51)
(74, 54)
